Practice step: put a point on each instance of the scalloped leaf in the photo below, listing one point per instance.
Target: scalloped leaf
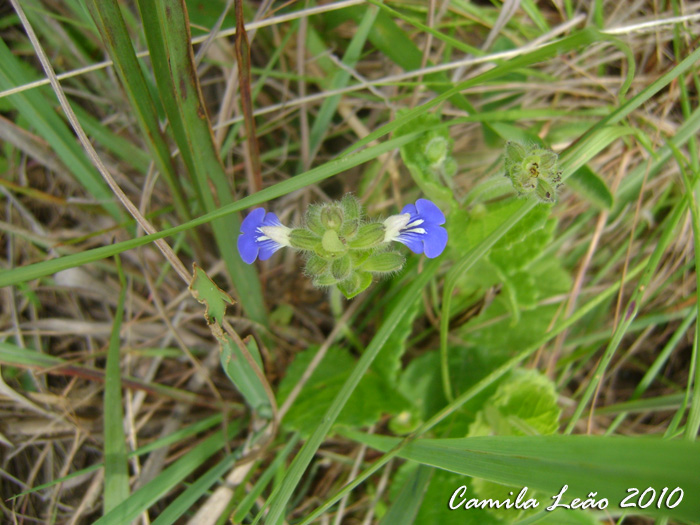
(373, 397)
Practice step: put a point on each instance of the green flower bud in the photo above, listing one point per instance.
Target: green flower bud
(435, 150)
(545, 192)
(359, 256)
(332, 243)
(368, 236)
(303, 239)
(316, 266)
(384, 262)
(515, 153)
(349, 229)
(352, 210)
(531, 166)
(341, 268)
(548, 160)
(356, 283)
(313, 220)
(450, 167)
(325, 280)
(533, 170)
(404, 423)
(332, 216)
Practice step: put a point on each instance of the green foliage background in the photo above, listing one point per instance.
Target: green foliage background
(149, 374)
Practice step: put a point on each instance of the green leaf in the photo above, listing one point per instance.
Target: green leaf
(494, 328)
(606, 465)
(242, 374)
(513, 261)
(239, 370)
(421, 383)
(519, 247)
(535, 220)
(372, 398)
(524, 404)
(279, 498)
(209, 294)
(470, 228)
(388, 361)
(589, 184)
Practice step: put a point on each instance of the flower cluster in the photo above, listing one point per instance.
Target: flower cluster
(341, 246)
(533, 170)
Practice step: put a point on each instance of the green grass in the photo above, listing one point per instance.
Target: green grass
(130, 389)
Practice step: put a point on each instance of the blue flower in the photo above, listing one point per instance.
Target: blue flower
(261, 234)
(418, 227)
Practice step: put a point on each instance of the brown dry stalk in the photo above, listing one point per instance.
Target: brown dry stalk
(243, 59)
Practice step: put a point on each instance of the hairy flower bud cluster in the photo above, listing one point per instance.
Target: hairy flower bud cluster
(533, 170)
(341, 246)
(436, 148)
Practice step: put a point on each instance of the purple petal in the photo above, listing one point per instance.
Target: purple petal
(267, 248)
(410, 209)
(429, 212)
(414, 241)
(250, 245)
(435, 241)
(270, 219)
(247, 247)
(253, 221)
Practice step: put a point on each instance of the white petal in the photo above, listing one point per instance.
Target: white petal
(278, 234)
(394, 225)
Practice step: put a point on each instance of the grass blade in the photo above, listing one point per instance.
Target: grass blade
(281, 495)
(44, 268)
(195, 491)
(339, 80)
(606, 465)
(36, 108)
(108, 19)
(586, 182)
(405, 507)
(155, 489)
(116, 484)
(168, 33)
